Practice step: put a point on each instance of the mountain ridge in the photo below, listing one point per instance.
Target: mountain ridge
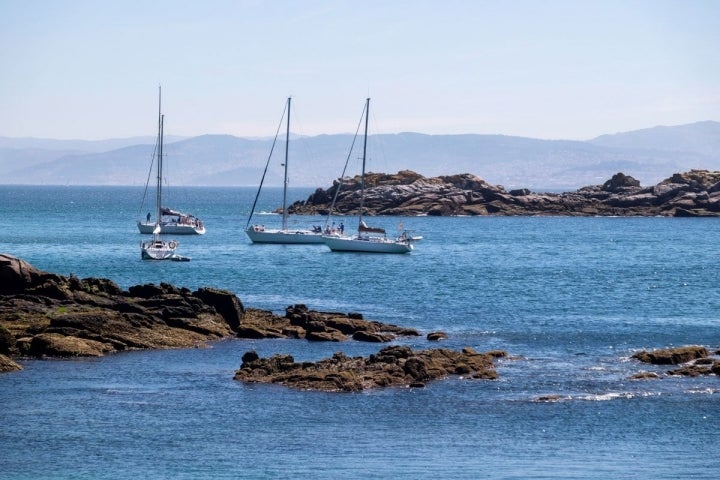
(225, 160)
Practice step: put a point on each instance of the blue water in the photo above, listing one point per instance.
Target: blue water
(570, 298)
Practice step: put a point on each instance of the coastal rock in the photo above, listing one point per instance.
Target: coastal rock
(392, 366)
(693, 193)
(694, 361)
(301, 322)
(225, 303)
(436, 336)
(7, 365)
(645, 376)
(672, 356)
(17, 275)
(620, 183)
(690, 371)
(48, 315)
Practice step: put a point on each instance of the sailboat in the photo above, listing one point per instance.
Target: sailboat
(157, 248)
(368, 239)
(172, 222)
(260, 234)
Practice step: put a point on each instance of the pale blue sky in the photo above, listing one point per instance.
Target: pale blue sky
(547, 69)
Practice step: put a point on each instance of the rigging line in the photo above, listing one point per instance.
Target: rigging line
(267, 164)
(147, 182)
(379, 146)
(155, 151)
(342, 176)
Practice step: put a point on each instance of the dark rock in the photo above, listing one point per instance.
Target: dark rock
(363, 336)
(436, 336)
(7, 341)
(7, 365)
(148, 290)
(225, 303)
(16, 275)
(549, 398)
(620, 182)
(690, 371)
(330, 335)
(47, 315)
(671, 356)
(250, 356)
(391, 366)
(301, 322)
(715, 368)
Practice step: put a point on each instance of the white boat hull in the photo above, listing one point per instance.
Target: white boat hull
(259, 235)
(172, 228)
(366, 244)
(158, 249)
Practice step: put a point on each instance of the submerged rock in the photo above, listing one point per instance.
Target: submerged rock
(391, 366)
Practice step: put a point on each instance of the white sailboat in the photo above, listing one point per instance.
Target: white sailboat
(368, 239)
(172, 222)
(157, 248)
(260, 234)
(175, 223)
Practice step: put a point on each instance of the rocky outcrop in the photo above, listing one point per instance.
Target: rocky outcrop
(671, 356)
(395, 366)
(7, 365)
(300, 322)
(48, 315)
(693, 360)
(694, 193)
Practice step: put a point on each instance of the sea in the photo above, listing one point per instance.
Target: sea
(569, 299)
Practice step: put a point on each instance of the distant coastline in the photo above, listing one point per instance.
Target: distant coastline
(691, 194)
(226, 160)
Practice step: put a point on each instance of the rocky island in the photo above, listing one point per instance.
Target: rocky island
(391, 366)
(691, 194)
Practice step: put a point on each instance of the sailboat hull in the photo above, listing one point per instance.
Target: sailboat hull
(260, 235)
(158, 249)
(366, 244)
(172, 228)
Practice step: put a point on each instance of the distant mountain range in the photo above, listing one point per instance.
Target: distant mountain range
(649, 155)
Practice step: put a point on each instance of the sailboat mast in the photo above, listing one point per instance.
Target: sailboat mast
(285, 183)
(158, 190)
(159, 171)
(362, 177)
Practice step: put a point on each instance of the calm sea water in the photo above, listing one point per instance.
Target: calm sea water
(572, 298)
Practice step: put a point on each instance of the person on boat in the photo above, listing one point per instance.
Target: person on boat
(148, 217)
(342, 228)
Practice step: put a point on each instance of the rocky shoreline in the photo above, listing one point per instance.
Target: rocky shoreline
(44, 315)
(691, 194)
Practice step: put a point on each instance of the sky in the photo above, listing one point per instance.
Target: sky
(552, 69)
